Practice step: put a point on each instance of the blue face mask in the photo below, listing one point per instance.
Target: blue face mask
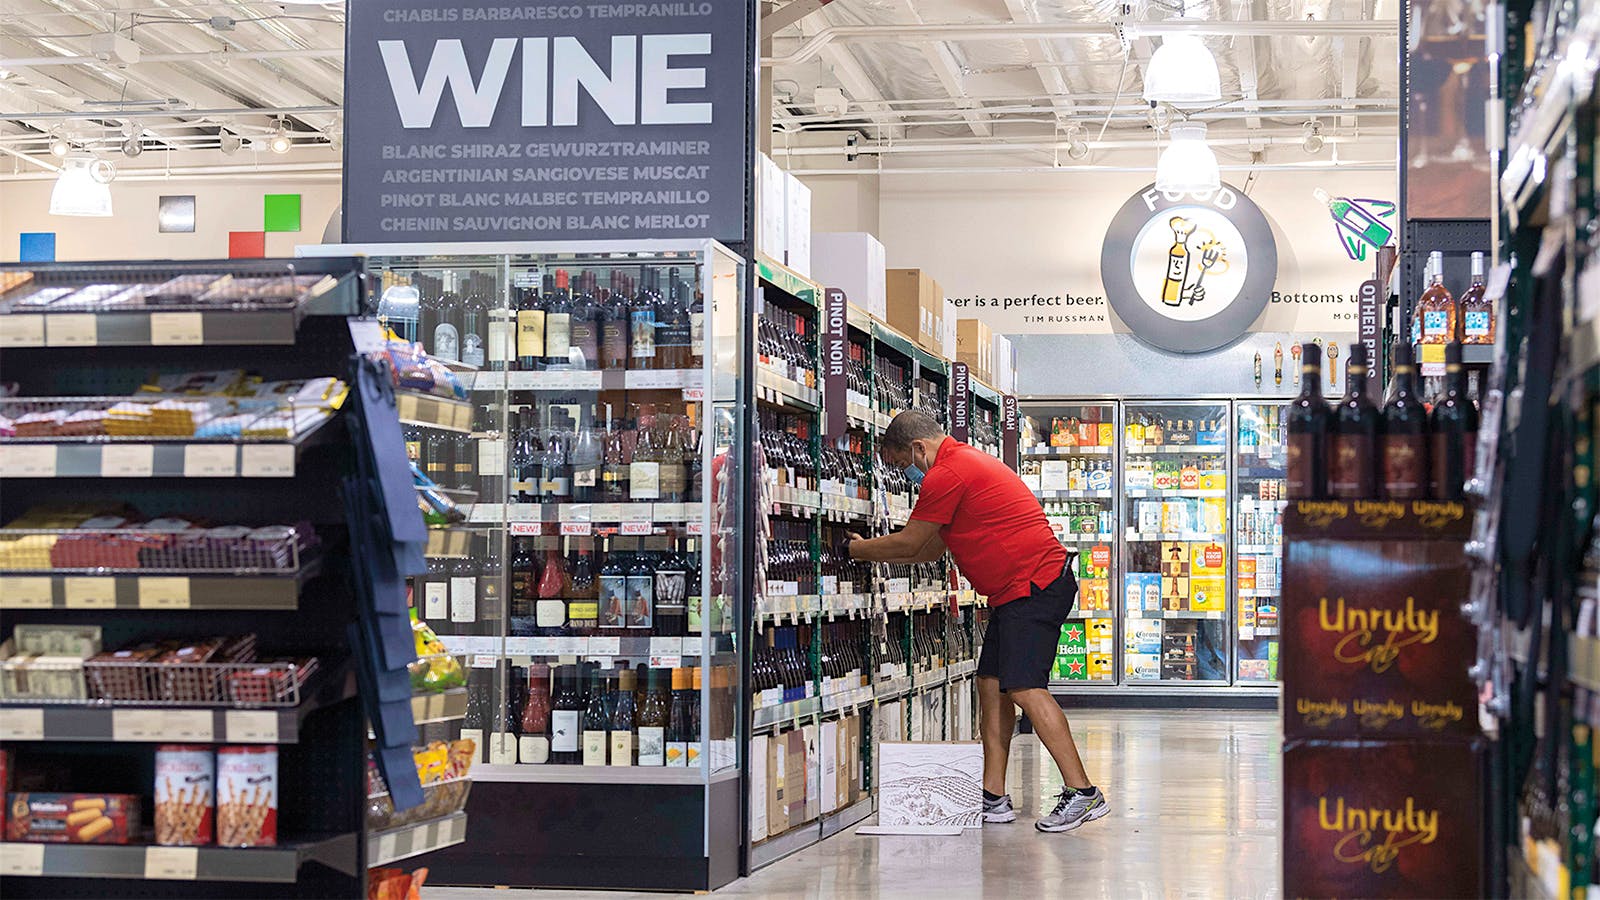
(914, 475)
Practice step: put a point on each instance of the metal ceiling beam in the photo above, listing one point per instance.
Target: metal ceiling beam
(857, 83)
(137, 114)
(1012, 31)
(1348, 51)
(220, 57)
(1249, 76)
(788, 14)
(948, 71)
(1041, 52)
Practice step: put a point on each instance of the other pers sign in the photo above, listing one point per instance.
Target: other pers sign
(554, 120)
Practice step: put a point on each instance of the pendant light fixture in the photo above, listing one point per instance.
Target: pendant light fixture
(1182, 70)
(78, 192)
(1187, 166)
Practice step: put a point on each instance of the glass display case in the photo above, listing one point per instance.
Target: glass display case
(1067, 454)
(588, 577)
(1175, 539)
(1260, 472)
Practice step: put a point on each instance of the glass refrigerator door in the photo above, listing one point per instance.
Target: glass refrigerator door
(1175, 533)
(1067, 455)
(1258, 528)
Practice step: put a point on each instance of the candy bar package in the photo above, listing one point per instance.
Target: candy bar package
(72, 818)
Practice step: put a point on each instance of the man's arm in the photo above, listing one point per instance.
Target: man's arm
(918, 542)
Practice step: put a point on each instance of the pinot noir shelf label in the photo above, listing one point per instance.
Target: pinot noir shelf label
(484, 120)
(960, 401)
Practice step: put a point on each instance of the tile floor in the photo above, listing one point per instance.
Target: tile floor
(1195, 814)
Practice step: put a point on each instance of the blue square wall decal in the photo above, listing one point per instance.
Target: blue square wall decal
(38, 246)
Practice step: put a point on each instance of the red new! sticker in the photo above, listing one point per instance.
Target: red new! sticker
(1213, 556)
(1100, 556)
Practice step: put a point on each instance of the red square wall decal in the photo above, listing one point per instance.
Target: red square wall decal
(247, 244)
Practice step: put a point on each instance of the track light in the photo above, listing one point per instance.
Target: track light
(133, 145)
(228, 142)
(1312, 142)
(281, 142)
(59, 145)
(1077, 147)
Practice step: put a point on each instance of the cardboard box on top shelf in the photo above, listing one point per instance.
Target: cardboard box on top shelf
(851, 261)
(794, 778)
(975, 347)
(1004, 365)
(915, 306)
(797, 224)
(760, 799)
(777, 795)
(772, 237)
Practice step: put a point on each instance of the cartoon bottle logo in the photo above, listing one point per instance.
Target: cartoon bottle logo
(1357, 222)
(1177, 261)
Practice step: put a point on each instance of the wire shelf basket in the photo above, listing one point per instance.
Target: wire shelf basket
(178, 550)
(96, 682)
(82, 291)
(152, 418)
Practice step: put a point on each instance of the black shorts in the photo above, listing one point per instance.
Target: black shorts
(1020, 642)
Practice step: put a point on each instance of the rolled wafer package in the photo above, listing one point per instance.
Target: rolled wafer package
(185, 794)
(247, 796)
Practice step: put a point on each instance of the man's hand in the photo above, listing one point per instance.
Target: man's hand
(919, 541)
(842, 548)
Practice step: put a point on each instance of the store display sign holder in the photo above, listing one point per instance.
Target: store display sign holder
(1010, 433)
(491, 121)
(835, 364)
(960, 401)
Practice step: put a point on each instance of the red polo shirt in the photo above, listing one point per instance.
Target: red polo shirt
(993, 525)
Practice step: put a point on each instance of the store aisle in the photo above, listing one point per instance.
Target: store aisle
(1195, 798)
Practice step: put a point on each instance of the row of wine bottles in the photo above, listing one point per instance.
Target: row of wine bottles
(561, 321)
(1402, 451)
(1440, 318)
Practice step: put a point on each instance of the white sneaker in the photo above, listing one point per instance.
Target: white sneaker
(999, 811)
(1073, 809)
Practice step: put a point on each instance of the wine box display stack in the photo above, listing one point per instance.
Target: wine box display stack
(1383, 764)
(187, 675)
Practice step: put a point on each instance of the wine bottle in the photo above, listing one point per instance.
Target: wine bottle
(1308, 445)
(613, 593)
(585, 460)
(447, 332)
(1353, 449)
(653, 720)
(555, 471)
(614, 343)
(524, 580)
(1477, 312)
(1454, 431)
(673, 335)
(586, 324)
(1437, 306)
(558, 321)
(583, 607)
(464, 590)
(644, 473)
(533, 741)
(530, 328)
(642, 323)
(474, 323)
(566, 709)
(678, 720)
(671, 595)
(596, 722)
(641, 594)
(622, 720)
(550, 612)
(697, 327)
(1405, 433)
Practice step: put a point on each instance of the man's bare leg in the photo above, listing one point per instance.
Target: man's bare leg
(997, 720)
(1050, 723)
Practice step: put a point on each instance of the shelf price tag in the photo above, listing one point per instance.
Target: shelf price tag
(251, 726)
(127, 460)
(484, 661)
(386, 849)
(605, 646)
(22, 330)
(20, 858)
(28, 461)
(210, 461)
(171, 863)
(75, 330)
(267, 461)
(138, 725)
(163, 593)
(194, 725)
(21, 724)
(90, 592)
(33, 592)
(172, 328)
(691, 646)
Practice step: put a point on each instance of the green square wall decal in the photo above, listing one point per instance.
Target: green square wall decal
(282, 212)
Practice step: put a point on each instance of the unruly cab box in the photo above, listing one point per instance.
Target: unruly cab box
(1382, 819)
(1375, 645)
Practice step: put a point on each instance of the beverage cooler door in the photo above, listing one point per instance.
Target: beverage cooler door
(1260, 472)
(1067, 453)
(1175, 538)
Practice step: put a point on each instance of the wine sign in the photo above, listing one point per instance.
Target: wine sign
(960, 401)
(835, 363)
(485, 120)
(1009, 430)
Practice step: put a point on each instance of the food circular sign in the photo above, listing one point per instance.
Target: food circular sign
(1189, 272)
